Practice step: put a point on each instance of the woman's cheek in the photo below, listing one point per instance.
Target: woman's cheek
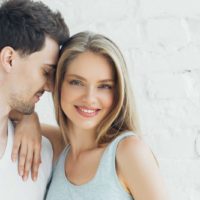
(107, 99)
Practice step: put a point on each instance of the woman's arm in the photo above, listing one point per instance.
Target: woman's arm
(53, 133)
(27, 143)
(140, 172)
(26, 147)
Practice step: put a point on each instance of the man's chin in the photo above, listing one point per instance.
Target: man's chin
(26, 110)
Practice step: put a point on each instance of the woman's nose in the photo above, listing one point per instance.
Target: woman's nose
(90, 95)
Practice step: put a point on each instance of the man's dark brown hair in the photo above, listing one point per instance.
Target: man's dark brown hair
(25, 23)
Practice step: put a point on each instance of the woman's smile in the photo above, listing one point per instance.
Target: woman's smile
(88, 90)
(86, 111)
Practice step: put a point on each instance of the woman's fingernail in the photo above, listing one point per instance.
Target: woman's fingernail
(34, 178)
(21, 172)
(25, 178)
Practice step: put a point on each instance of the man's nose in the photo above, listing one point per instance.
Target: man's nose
(48, 86)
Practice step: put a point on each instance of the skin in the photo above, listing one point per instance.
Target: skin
(139, 170)
(85, 82)
(25, 79)
(89, 81)
(31, 73)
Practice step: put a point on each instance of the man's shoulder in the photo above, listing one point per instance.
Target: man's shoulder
(46, 143)
(46, 158)
(46, 153)
(46, 149)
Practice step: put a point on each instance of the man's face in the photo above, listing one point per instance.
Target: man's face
(31, 76)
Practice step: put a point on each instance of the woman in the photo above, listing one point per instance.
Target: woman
(104, 159)
(103, 156)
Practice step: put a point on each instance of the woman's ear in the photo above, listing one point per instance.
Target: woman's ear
(6, 58)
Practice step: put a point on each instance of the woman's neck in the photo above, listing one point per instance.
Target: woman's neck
(81, 140)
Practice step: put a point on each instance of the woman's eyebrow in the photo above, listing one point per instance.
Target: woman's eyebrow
(106, 80)
(82, 78)
(77, 76)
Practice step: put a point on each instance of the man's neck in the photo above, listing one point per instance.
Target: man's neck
(3, 123)
(4, 104)
(4, 112)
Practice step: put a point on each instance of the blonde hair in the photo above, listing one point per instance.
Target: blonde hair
(123, 114)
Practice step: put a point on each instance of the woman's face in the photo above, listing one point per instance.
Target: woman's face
(87, 91)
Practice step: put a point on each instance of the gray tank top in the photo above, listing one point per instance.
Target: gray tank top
(105, 185)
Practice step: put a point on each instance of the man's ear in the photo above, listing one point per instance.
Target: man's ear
(6, 58)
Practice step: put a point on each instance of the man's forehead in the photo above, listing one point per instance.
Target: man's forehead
(49, 52)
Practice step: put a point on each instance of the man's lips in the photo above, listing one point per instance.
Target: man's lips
(38, 95)
(86, 111)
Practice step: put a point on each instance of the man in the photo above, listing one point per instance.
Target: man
(30, 36)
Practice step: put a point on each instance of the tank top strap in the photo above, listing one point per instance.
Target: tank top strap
(107, 166)
(61, 160)
(104, 185)
(8, 149)
(113, 145)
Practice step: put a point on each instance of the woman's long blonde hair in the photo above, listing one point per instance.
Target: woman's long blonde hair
(123, 115)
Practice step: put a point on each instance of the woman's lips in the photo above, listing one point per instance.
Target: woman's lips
(87, 112)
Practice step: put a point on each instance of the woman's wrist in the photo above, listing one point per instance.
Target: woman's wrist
(17, 117)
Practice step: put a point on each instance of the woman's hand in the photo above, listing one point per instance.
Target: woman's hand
(27, 144)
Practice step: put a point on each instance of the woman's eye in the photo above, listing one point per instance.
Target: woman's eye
(75, 82)
(106, 86)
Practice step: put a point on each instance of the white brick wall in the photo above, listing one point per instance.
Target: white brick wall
(161, 42)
